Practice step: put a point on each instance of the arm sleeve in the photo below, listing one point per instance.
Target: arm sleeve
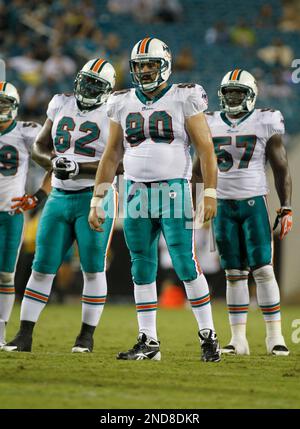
(195, 102)
(30, 132)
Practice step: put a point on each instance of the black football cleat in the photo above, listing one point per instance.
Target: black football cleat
(229, 350)
(21, 343)
(83, 344)
(276, 346)
(209, 346)
(145, 349)
(280, 350)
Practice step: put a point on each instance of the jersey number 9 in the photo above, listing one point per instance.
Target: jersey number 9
(9, 160)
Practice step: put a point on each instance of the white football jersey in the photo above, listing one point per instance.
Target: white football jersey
(155, 141)
(15, 147)
(79, 136)
(240, 146)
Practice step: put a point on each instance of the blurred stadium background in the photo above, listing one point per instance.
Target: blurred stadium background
(44, 43)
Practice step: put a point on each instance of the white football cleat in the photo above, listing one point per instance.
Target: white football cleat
(236, 348)
(276, 346)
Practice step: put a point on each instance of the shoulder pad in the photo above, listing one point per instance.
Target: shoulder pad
(267, 110)
(186, 85)
(123, 91)
(270, 115)
(30, 124)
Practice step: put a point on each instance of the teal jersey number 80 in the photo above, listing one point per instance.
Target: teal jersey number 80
(160, 128)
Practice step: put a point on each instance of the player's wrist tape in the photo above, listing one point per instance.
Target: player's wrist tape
(96, 202)
(210, 192)
(53, 160)
(40, 195)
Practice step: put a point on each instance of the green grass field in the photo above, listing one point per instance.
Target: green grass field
(52, 377)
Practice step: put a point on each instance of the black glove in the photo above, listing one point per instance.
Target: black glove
(64, 168)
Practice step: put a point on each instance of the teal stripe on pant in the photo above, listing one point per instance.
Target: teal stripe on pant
(65, 219)
(11, 228)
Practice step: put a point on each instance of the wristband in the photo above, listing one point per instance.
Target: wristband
(40, 195)
(96, 202)
(210, 192)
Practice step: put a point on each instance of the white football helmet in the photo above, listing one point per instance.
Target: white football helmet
(9, 101)
(245, 82)
(150, 50)
(94, 82)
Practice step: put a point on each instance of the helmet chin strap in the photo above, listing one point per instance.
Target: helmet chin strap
(86, 107)
(235, 110)
(149, 90)
(91, 106)
(7, 117)
(152, 85)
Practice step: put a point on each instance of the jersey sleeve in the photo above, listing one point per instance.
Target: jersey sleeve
(276, 125)
(30, 131)
(273, 122)
(195, 102)
(114, 106)
(53, 107)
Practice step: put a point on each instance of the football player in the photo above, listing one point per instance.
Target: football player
(71, 142)
(16, 140)
(244, 139)
(152, 125)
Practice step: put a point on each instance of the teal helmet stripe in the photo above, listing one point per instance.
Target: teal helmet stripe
(239, 75)
(92, 66)
(148, 45)
(139, 46)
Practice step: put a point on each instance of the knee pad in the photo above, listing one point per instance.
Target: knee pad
(143, 272)
(186, 267)
(263, 274)
(90, 276)
(7, 278)
(39, 277)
